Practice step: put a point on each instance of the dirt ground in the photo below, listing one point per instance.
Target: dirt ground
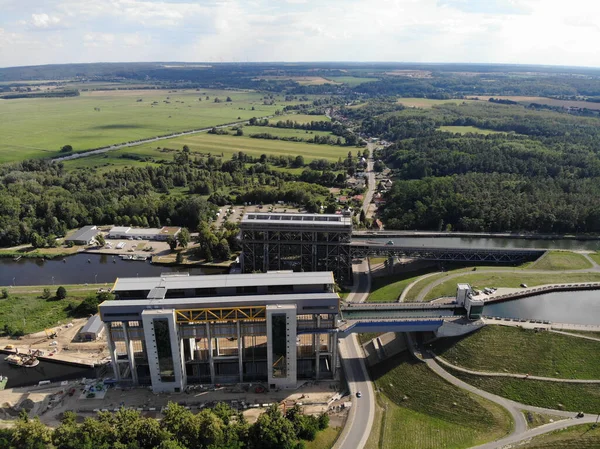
(67, 347)
(49, 403)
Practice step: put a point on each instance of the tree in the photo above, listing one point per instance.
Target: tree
(228, 99)
(37, 241)
(239, 132)
(183, 237)
(66, 149)
(61, 292)
(46, 294)
(272, 431)
(30, 433)
(172, 242)
(4, 293)
(100, 239)
(299, 161)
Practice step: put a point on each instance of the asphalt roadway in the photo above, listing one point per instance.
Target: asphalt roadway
(361, 416)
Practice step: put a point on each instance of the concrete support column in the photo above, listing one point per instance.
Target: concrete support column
(182, 361)
(112, 350)
(211, 360)
(130, 354)
(192, 347)
(334, 352)
(318, 351)
(240, 352)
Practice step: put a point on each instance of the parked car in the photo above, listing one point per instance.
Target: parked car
(358, 394)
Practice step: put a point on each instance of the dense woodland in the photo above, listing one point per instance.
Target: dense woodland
(41, 198)
(218, 428)
(542, 173)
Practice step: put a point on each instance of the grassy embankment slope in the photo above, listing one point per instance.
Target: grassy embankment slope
(389, 288)
(40, 127)
(515, 350)
(544, 354)
(424, 411)
(25, 309)
(583, 436)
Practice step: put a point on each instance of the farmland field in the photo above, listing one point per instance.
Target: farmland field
(543, 100)
(300, 118)
(40, 127)
(427, 103)
(521, 351)
(467, 129)
(302, 80)
(425, 411)
(204, 144)
(287, 132)
(351, 80)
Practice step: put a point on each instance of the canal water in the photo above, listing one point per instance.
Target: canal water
(577, 307)
(82, 269)
(53, 371)
(486, 242)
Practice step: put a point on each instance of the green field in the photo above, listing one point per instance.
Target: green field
(426, 412)
(554, 395)
(595, 257)
(560, 261)
(509, 280)
(31, 313)
(351, 80)
(583, 436)
(40, 127)
(300, 118)
(520, 351)
(467, 130)
(389, 288)
(287, 132)
(325, 439)
(427, 103)
(204, 144)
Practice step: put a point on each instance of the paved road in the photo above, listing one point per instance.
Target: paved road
(143, 141)
(368, 197)
(523, 271)
(360, 420)
(513, 375)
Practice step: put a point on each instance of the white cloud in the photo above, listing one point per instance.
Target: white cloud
(44, 21)
(521, 31)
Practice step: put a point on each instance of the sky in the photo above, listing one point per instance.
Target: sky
(552, 32)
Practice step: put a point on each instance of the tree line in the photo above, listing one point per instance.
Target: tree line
(218, 428)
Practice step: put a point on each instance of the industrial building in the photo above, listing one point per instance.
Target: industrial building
(92, 330)
(125, 232)
(174, 330)
(298, 242)
(84, 236)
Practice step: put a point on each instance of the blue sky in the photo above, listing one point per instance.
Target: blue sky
(498, 31)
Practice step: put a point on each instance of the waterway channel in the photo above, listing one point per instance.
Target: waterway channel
(485, 242)
(573, 307)
(82, 269)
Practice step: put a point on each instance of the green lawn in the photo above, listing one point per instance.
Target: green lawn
(521, 351)
(539, 419)
(427, 412)
(560, 261)
(31, 313)
(467, 129)
(204, 144)
(583, 436)
(571, 397)
(510, 280)
(595, 257)
(40, 127)
(389, 288)
(325, 439)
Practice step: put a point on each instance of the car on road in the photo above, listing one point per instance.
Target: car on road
(358, 394)
(524, 285)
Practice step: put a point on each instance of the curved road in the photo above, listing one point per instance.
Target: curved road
(429, 287)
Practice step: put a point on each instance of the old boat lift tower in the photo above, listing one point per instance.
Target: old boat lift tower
(321, 242)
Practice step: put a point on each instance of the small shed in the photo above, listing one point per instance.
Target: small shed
(84, 236)
(92, 330)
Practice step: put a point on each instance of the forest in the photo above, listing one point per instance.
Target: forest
(540, 174)
(219, 428)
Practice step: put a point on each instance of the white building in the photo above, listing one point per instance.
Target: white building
(124, 232)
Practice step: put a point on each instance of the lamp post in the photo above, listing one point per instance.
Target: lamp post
(95, 278)
(14, 284)
(53, 280)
